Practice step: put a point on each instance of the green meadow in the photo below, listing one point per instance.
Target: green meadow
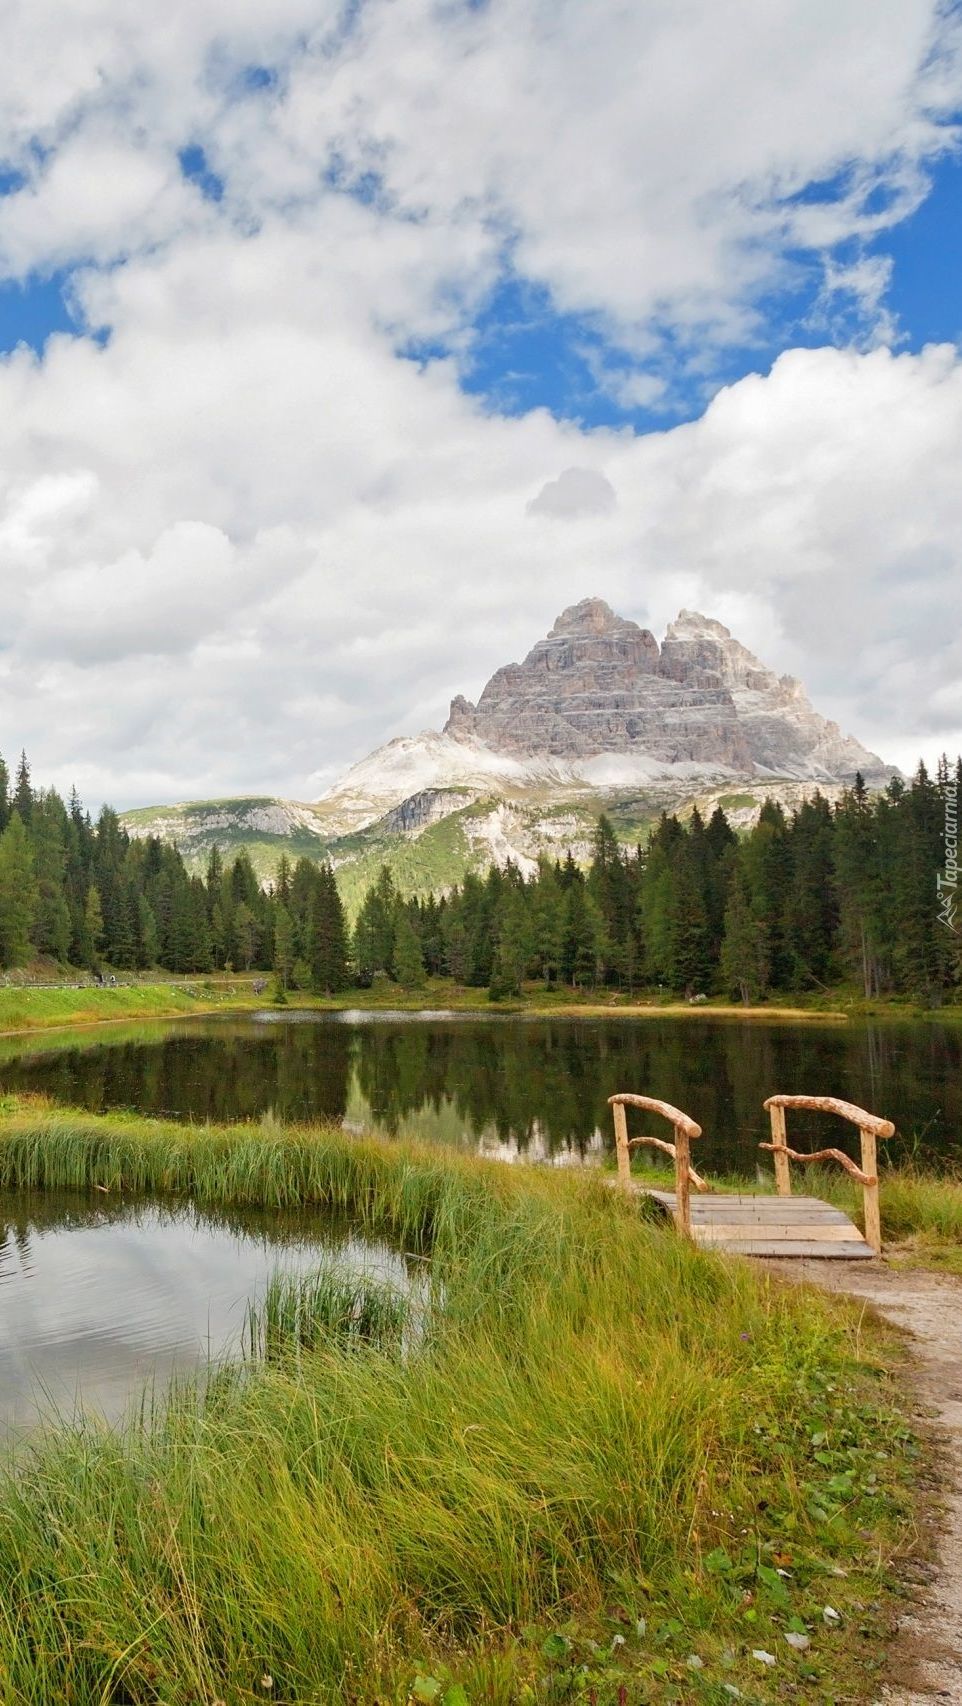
(578, 1461)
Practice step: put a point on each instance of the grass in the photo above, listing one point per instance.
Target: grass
(606, 1467)
(23, 1008)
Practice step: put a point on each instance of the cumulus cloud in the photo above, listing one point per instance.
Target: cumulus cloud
(576, 491)
(245, 537)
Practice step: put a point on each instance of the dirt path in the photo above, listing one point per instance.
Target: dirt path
(926, 1658)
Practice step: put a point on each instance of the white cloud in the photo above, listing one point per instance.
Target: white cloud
(576, 491)
(245, 540)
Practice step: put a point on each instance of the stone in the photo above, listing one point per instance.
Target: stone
(600, 684)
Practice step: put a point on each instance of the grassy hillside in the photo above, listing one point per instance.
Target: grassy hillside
(518, 823)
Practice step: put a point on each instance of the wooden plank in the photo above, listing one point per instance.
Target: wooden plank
(773, 1205)
(710, 1208)
(755, 1225)
(808, 1218)
(732, 1233)
(802, 1250)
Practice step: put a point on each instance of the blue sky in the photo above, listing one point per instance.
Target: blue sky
(523, 353)
(308, 312)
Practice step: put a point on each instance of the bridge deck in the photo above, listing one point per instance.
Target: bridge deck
(771, 1225)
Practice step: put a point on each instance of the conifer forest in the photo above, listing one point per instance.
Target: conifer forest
(832, 894)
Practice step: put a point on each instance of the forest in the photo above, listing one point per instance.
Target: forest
(844, 893)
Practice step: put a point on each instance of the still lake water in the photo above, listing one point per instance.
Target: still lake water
(100, 1299)
(512, 1086)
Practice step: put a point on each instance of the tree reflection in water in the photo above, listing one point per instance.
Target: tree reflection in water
(530, 1086)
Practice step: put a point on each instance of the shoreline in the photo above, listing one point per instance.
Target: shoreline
(87, 1008)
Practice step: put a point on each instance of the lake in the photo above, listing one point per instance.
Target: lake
(98, 1298)
(511, 1086)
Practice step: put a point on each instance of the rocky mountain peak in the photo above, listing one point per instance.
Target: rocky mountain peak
(599, 684)
(591, 617)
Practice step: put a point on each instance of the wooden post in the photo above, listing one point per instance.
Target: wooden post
(783, 1177)
(621, 1145)
(682, 1183)
(870, 1192)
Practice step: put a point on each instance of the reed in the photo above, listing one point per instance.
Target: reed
(582, 1476)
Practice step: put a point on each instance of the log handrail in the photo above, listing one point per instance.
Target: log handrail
(870, 1127)
(685, 1130)
(838, 1155)
(831, 1105)
(665, 1109)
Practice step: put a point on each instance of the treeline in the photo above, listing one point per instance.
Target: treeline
(825, 895)
(803, 902)
(88, 894)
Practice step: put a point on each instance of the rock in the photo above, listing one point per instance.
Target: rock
(599, 684)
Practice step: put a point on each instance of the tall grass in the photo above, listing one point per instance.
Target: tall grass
(590, 1466)
(301, 1312)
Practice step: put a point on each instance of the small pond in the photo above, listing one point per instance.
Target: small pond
(98, 1299)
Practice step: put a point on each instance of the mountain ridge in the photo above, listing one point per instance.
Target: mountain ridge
(597, 716)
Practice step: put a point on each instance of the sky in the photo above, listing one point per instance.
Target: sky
(342, 345)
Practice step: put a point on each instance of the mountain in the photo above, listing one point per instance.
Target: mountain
(598, 716)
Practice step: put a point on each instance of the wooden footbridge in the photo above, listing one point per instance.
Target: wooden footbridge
(762, 1225)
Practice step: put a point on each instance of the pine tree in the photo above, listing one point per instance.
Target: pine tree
(329, 969)
(23, 792)
(18, 894)
(282, 881)
(768, 867)
(246, 934)
(455, 937)
(51, 927)
(742, 968)
(408, 959)
(283, 946)
(610, 887)
(547, 922)
(512, 944)
(93, 928)
(149, 937)
(582, 937)
(811, 909)
(857, 854)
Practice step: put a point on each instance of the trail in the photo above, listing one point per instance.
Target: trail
(925, 1660)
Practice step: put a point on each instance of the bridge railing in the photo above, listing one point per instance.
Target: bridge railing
(871, 1127)
(685, 1131)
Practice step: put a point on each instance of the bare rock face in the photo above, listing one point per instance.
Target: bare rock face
(599, 684)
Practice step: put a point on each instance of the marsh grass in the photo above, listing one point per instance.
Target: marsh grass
(580, 1482)
(333, 1306)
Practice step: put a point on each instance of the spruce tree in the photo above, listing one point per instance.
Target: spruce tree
(51, 926)
(283, 946)
(18, 894)
(408, 959)
(93, 928)
(512, 944)
(742, 969)
(857, 855)
(23, 792)
(328, 961)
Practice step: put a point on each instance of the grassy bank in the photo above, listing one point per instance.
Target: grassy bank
(23, 1008)
(608, 1467)
(26, 1008)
